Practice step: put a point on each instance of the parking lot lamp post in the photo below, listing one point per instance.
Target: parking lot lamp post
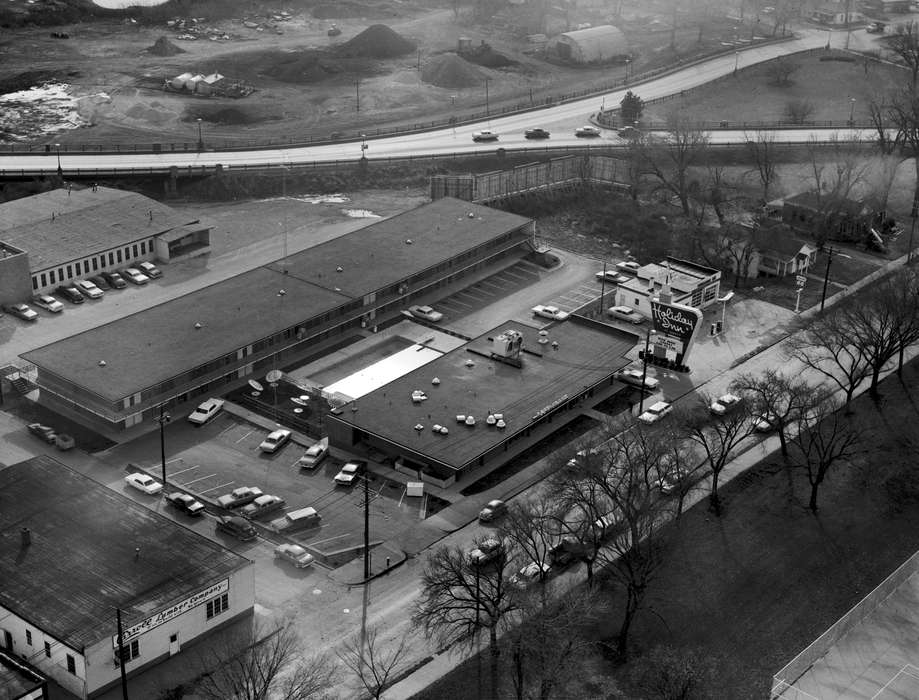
(487, 111)
(644, 371)
(364, 147)
(736, 61)
(163, 419)
(851, 111)
(60, 170)
(200, 138)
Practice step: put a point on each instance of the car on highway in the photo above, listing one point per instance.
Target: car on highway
(48, 303)
(293, 553)
(536, 134)
(315, 455)
(725, 404)
(611, 277)
(625, 313)
(350, 472)
(263, 505)
(493, 510)
(274, 441)
(70, 293)
(550, 312)
(206, 411)
(629, 132)
(586, 131)
(89, 290)
(143, 482)
(150, 270)
(115, 280)
(100, 282)
(637, 377)
(484, 135)
(135, 276)
(239, 497)
(425, 313)
(42, 432)
(656, 412)
(629, 267)
(22, 311)
(485, 552)
(237, 527)
(185, 503)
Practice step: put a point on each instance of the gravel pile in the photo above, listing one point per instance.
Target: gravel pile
(451, 71)
(377, 41)
(164, 47)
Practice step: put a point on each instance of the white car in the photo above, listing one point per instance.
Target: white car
(313, 457)
(350, 472)
(425, 313)
(670, 482)
(529, 574)
(206, 411)
(295, 554)
(628, 267)
(88, 289)
(634, 377)
(239, 497)
(135, 276)
(587, 131)
(484, 135)
(725, 404)
(610, 277)
(274, 441)
(552, 312)
(48, 303)
(624, 313)
(656, 412)
(262, 505)
(144, 483)
(765, 422)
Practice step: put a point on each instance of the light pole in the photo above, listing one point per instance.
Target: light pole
(60, 170)
(163, 420)
(826, 276)
(644, 371)
(200, 138)
(628, 72)
(736, 61)
(364, 147)
(724, 306)
(851, 111)
(487, 80)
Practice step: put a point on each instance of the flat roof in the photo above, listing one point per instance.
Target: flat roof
(81, 563)
(368, 379)
(68, 224)
(161, 342)
(587, 352)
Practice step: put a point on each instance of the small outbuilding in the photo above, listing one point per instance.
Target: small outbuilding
(593, 45)
(212, 84)
(837, 14)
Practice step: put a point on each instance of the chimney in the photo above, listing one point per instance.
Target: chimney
(26, 536)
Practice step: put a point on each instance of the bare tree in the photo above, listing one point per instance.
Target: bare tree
(836, 172)
(717, 437)
(904, 293)
(715, 192)
(739, 245)
(533, 526)
(664, 673)
(781, 70)
(776, 399)
(825, 437)
(671, 160)
(799, 111)
(902, 111)
(761, 149)
(880, 178)
(372, 665)
(904, 43)
(250, 665)
(878, 113)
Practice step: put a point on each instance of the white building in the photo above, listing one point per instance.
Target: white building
(593, 45)
(691, 284)
(73, 551)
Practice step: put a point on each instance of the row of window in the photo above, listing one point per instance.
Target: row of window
(88, 266)
(71, 661)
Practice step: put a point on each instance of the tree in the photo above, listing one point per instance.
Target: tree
(799, 111)
(739, 245)
(835, 178)
(664, 673)
(761, 149)
(247, 665)
(671, 160)
(717, 437)
(824, 438)
(904, 43)
(372, 666)
(781, 70)
(630, 108)
(904, 291)
(532, 525)
(459, 599)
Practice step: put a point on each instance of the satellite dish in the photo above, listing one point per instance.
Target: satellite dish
(255, 385)
(274, 376)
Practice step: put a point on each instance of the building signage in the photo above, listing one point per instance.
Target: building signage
(164, 616)
(668, 344)
(555, 404)
(676, 326)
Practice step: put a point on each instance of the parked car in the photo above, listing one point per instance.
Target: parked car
(149, 269)
(486, 552)
(492, 511)
(485, 135)
(630, 133)
(426, 313)
(671, 481)
(765, 422)
(43, 432)
(610, 277)
(315, 455)
(297, 520)
(588, 131)
(206, 411)
(530, 574)
(114, 279)
(536, 134)
(100, 282)
(135, 276)
(48, 303)
(88, 289)
(624, 313)
(143, 482)
(239, 497)
(263, 505)
(70, 293)
(628, 267)
(635, 377)
(274, 441)
(656, 412)
(568, 549)
(293, 553)
(185, 503)
(350, 472)
(552, 312)
(237, 527)
(725, 404)
(22, 311)
(875, 28)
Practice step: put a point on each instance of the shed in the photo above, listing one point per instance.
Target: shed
(179, 82)
(593, 45)
(210, 84)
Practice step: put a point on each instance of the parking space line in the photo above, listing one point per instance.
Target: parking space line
(200, 479)
(182, 471)
(229, 428)
(402, 497)
(244, 436)
(329, 539)
(218, 486)
(177, 459)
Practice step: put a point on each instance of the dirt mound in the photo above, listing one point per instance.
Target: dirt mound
(485, 55)
(451, 71)
(377, 41)
(164, 47)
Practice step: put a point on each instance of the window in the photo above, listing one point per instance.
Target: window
(95, 264)
(135, 250)
(29, 637)
(44, 280)
(51, 275)
(218, 605)
(76, 267)
(34, 283)
(71, 665)
(69, 271)
(143, 247)
(111, 259)
(119, 255)
(129, 651)
(47, 650)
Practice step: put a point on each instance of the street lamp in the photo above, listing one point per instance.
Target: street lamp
(363, 146)
(644, 370)
(163, 420)
(60, 170)
(200, 139)
(736, 61)
(628, 72)
(487, 80)
(851, 111)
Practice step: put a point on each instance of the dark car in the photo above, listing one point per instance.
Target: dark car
(100, 282)
(186, 503)
(536, 134)
(115, 280)
(70, 293)
(43, 432)
(22, 311)
(237, 527)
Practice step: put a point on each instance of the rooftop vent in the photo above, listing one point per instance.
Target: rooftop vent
(435, 381)
(470, 420)
(408, 241)
(460, 417)
(338, 269)
(197, 326)
(102, 363)
(419, 427)
(471, 215)
(500, 424)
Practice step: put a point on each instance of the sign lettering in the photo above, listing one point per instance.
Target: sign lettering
(555, 404)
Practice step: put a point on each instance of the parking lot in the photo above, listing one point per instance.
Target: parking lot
(491, 289)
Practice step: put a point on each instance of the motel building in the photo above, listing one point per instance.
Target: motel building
(690, 284)
(73, 552)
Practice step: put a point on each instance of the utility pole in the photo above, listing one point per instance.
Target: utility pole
(121, 659)
(602, 291)
(366, 528)
(644, 371)
(357, 91)
(163, 419)
(826, 276)
(486, 97)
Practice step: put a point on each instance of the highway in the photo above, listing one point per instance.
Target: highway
(561, 120)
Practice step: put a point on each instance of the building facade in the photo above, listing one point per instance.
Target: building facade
(690, 284)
